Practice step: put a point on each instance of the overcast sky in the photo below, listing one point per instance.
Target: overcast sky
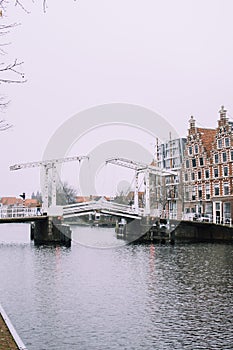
(172, 57)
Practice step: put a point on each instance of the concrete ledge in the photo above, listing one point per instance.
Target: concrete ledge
(15, 337)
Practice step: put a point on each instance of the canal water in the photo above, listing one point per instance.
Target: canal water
(102, 294)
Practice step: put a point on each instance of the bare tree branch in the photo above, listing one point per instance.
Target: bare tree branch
(3, 5)
(3, 52)
(3, 103)
(5, 28)
(19, 3)
(12, 68)
(4, 126)
(45, 5)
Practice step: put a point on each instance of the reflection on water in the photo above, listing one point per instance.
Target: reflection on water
(129, 297)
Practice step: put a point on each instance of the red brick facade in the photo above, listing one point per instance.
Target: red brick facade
(208, 170)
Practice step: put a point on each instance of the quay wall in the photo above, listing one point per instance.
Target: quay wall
(185, 231)
(203, 232)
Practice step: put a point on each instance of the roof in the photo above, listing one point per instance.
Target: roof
(31, 202)
(131, 194)
(10, 201)
(207, 136)
(82, 199)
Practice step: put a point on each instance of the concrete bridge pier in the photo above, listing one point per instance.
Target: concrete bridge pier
(32, 231)
(51, 231)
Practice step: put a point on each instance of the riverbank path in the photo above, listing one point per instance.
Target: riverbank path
(6, 339)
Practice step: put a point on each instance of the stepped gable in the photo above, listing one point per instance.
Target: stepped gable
(207, 137)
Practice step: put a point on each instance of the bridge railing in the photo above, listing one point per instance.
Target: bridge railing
(100, 205)
(80, 207)
(16, 212)
(111, 206)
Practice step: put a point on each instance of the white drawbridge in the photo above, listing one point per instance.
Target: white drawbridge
(104, 207)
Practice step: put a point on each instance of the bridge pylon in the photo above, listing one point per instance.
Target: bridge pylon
(46, 166)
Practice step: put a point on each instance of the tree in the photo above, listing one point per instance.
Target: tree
(37, 196)
(20, 3)
(66, 194)
(121, 198)
(9, 72)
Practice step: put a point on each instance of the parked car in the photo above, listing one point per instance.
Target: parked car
(202, 217)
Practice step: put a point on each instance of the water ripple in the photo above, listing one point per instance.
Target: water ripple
(133, 297)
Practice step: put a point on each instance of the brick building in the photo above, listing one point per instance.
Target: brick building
(208, 170)
(17, 202)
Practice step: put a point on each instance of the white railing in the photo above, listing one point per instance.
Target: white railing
(207, 218)
(16, 212)
(164, 214)
(79, 208)
(223, 221)
(111, 207)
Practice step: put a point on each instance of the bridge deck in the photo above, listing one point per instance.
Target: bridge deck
(104, 207)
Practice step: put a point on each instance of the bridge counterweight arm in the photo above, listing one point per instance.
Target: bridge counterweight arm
(139, 167)
(49, 163)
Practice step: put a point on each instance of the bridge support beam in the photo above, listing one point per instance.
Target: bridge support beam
(147, 194)
(136, 193)
(51, 232)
